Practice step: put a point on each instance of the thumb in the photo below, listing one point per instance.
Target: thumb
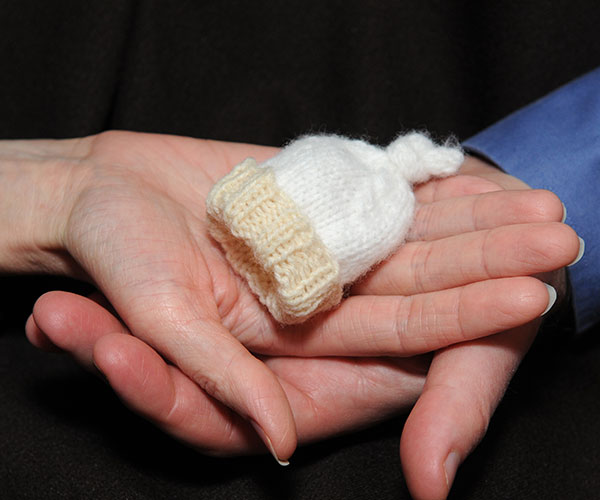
(222, 367)
(182, 324)
(464, 385)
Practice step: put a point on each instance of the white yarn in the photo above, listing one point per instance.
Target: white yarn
(359, 196)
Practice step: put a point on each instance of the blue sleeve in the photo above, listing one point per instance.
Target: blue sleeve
(554, 144)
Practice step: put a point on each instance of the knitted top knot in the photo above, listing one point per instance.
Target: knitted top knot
(321, 213)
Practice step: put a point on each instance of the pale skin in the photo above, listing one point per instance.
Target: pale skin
(126, 212)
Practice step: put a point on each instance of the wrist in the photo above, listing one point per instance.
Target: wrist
(35, 195)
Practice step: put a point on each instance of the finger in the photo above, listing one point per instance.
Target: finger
(184, 326)
(143, 380)
(463, 388)
(450, 187)
(38, 337)
(329, 396)
(514, 250)
(405, 326)
(165, 396)
(451, 216)
(73, 323)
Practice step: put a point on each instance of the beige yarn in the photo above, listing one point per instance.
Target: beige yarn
(287, 267)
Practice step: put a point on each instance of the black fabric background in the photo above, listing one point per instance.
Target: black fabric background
(264, 72)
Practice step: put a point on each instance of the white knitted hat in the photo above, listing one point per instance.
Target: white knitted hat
(321, 213)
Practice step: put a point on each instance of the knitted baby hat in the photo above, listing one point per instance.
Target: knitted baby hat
(321, 213)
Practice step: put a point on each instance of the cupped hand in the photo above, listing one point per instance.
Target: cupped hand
(136, 229)
(327, 395)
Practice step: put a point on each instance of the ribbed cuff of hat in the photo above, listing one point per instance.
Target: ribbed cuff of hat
(270, 243)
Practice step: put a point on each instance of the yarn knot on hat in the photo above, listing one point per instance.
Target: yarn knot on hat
(320, 214)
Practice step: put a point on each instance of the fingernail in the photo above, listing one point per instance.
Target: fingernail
(450, 467)
(580, 254)
(564, 213)
(551, 297)
(269, 444)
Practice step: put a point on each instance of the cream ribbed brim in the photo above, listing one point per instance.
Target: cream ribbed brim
(271, 244)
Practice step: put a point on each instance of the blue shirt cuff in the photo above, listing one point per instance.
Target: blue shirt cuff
(554, 144)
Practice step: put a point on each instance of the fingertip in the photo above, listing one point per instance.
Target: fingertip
(541, 205)
(528, 298)
(37, 337)
(550, 245)
(269, 444)
(53, 299)
(275, 425)
(273, 421)
(443, 428)
(424, 453)
(47, 312)
(501, 304)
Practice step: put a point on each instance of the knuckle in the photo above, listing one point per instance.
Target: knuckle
(485, 250)
(430, 326)
(422, 222)
(208, 384)
(458, 320)
(403, 313)
(419, 264)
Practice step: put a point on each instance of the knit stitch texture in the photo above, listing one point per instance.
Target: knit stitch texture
(320, 214)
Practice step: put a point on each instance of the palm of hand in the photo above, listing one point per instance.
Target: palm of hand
(166, 278)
